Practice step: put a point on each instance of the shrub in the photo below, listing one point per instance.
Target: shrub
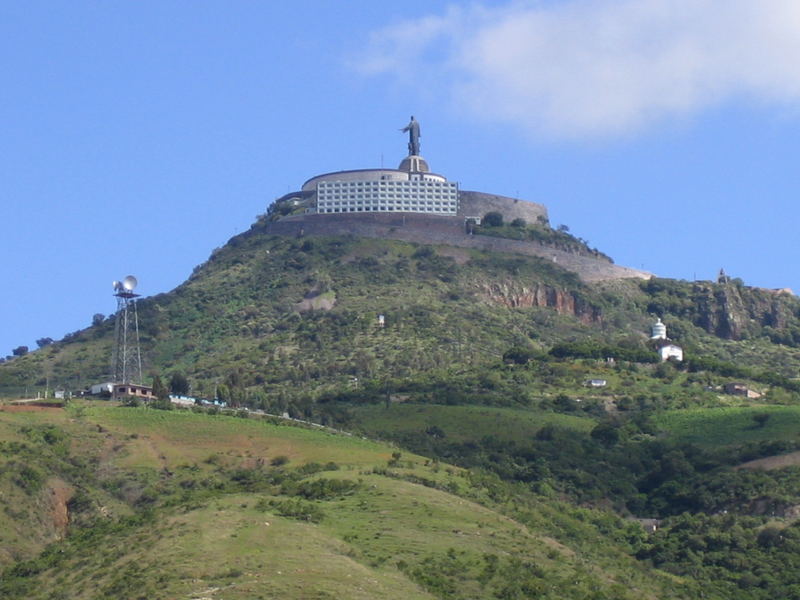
(492, 219)
(297, 509)
(29, 478)
(321, 489)
(161, 404)
(519, 355)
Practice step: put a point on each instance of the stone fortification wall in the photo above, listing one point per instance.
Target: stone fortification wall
(477, 204)
(431, 229)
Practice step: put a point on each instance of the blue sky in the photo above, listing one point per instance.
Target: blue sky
(138, 136)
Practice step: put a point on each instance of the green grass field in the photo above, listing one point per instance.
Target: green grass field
(730, 425)
(183, 437)
(461, 423)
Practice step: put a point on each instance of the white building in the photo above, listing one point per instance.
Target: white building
(668, 351)
(101, 388)
(185, 401)
(410, 188)
(658, 331)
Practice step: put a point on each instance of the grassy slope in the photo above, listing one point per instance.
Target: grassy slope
(724, 424)
(463, 423)
(388, 537)
(731, 425)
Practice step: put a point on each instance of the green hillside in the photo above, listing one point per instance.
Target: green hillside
(181, 504)
(464, 453)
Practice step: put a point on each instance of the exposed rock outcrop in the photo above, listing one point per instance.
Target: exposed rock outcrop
(517, 295)
(732, 311)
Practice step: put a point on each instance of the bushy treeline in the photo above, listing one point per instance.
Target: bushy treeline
(599, 350)
(735, 557)
(618, 463)
(560, 238)
(728, 369)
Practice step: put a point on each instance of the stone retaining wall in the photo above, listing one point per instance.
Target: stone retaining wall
(477, 204)
(430, 229)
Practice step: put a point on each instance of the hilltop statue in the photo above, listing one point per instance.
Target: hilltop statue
(413, 136)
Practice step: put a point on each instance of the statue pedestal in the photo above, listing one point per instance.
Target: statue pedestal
(414, 164)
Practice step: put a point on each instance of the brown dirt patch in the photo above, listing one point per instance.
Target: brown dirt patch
(17, 408)
(773, 462)
(59, 494)
(315, 300)
(318, 303)
(459, 255)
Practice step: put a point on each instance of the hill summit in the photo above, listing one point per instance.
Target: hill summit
(413, 204)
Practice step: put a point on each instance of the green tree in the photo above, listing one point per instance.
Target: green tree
(178, 384)
(519, 354)
(606, 433)
(160, 391)
(492, 219)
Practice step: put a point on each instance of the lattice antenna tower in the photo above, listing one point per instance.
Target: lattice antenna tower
(127, 358)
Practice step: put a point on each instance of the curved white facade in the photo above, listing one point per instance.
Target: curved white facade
(383, 190)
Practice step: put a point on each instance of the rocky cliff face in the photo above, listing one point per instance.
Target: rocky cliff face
(732, 312)
(517, 295)
(728, 310)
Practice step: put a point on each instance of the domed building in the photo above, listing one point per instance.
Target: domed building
(666, 349)
(409, 188)
(658, 331)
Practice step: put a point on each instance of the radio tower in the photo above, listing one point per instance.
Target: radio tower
(126, 359)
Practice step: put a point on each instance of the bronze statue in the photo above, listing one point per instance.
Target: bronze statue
(413, 136)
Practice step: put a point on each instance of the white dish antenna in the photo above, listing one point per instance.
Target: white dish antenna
(116, 285)
(129, 283)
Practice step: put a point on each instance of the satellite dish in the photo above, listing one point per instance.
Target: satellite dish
(129, 283)
(116, 285)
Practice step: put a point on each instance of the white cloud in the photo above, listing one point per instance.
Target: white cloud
(596, 67)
